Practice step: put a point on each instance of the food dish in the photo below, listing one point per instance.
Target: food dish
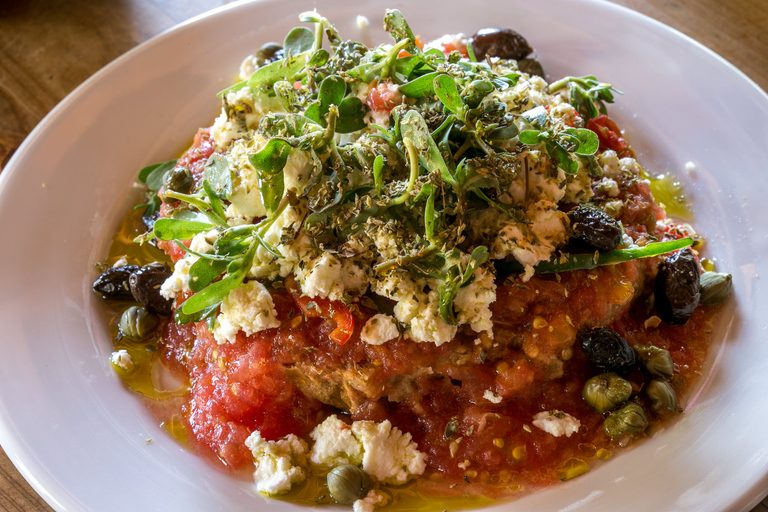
(732, 232)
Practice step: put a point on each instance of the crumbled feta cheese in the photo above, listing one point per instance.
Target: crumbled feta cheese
(279, 464)
(362, 22)
(388, 455)
(473, 301)
(556, 423)
(374, 499)
(608, 186)
(248, 308)
(335, 444)
(492, 397)
(178, 281)
(379, 329)
(690, 167)
(122, 359)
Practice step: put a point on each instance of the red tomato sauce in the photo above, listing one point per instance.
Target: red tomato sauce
(436, 393)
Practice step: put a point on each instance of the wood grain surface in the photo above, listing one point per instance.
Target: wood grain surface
(47, 48)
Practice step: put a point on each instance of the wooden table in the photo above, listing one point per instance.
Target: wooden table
(47, 48)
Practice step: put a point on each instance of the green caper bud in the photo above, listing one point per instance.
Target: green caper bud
(656, 360)
(137, 323)
(628, 420)
(348, 483)
(606, 392)
(715, 288)
(180, 180)
(663, 397)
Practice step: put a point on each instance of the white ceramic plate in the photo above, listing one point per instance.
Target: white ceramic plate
(81, 439)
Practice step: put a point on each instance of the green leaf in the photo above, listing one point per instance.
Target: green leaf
(597, 259)
(445, 88)
(272, 157)
(152, 175)
(378, 174)
(398, 28)
(429, 212)
(298, 40)
(216, 205)
(175, 229)
(210, 312)
(212, 294)
(588, 141)
(413, 127)
(530, 137)
(331, 92)
(263, 79)
(421, 86)
(476, 259)
(471, 51)
(318, 59)
(352, 112)
(204, 271)
(218, 175)
(447, 293)
(232, 88)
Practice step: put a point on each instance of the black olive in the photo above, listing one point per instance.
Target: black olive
(149, 221)
(269, 52)
(500, 42)
(145, 285)
(531, 67)
(113, 283)
(607, 350)
(677, 290)
(595, 228)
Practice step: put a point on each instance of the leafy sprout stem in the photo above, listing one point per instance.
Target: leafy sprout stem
(413, 160)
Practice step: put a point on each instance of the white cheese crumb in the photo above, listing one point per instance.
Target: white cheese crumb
(388, 455)
(178, 281)
(492, 397)
(248, 308)
(335, 444)
(362, 22)
(557, 423)
(379, 329)
(690, 167)
(374, 499)
(122, 359)
(279, 464)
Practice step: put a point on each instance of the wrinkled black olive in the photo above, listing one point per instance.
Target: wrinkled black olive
(145, 286)
(607, 350)
(677, 290)
(531, 67)
(595, 228)
(269, 52)
(149, 221)
(113, 283)
(500, 42)
(180, 180)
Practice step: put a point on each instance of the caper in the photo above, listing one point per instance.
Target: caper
(656, 360)
(180, 180)
(113, 283)
(663, 397)
(715, 288)
(269, 52)
(595, 228)
(606, 392)
(677, 287)
(137, 323)
(348, 483)
(607, 350)
(145, 284)
(628, 420)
